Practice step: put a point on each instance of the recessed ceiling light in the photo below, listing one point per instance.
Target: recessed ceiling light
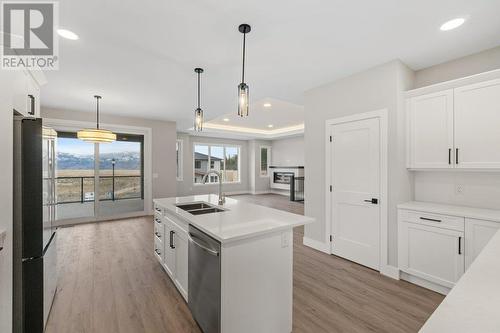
(270, 126)
(452, 24)
(267, 105)
(67, 34)
(226, 119)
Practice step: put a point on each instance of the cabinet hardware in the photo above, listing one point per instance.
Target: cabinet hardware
(157, 221)
(172, 246)
(157, 235)
(428, 219)
(158, 252)
(460, 245)
(449, 156)
(456, 156)
(32, 99)
(372, 201)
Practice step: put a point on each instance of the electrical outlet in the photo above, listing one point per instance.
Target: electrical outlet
(459, 189)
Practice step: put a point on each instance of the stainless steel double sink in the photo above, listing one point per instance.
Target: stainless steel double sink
(199, 208)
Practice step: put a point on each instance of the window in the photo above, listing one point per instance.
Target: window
(178, 155)
(265, 157)
(221, 158)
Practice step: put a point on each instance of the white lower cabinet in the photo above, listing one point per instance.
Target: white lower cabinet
(171, 248)
(431, 253)
(477, 234)
(435, 250)
(180, 242)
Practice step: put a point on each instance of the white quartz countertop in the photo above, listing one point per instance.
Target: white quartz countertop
(473, 305)
(470, 212)
(240, 219)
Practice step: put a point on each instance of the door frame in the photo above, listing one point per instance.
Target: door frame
(75, 125)
(382, 116)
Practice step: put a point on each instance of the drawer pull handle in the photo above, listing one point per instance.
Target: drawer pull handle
(157, 221)
(157, 235)
(172, 246)
(158, 252)
(428, 219)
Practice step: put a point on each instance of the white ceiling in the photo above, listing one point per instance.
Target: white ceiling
(140, 55)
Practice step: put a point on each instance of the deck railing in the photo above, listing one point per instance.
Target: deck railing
(81, 189)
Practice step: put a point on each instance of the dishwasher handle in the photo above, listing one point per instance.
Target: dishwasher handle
(203, 247)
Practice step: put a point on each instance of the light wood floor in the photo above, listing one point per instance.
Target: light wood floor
(110, 282)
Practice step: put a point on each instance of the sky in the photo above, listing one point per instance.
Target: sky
(79, 147)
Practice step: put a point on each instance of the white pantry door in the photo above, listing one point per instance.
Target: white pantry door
(355, 174)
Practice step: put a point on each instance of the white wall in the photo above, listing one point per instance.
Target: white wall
(257, 183)
(377, 88)
(479, 189)
(6, 137)
(288, 152)
(187, 187)
(164, 136)
(473, 64)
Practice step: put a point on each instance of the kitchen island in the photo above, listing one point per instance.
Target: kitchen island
(232, 263)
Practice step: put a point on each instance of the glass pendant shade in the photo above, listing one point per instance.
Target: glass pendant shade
(198, 120)
(96, 135)
(243, 99)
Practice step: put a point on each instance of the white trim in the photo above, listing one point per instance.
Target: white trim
(81, 220)
(147, 132)
(384, 231)
(257, 133)
(180, 160)
(261, 192)
(269, 152)
(425, 283)
(390, 271)
(317, 245)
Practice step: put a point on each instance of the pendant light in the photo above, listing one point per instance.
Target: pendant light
(96, 135)
(243, 87)
(198, 113)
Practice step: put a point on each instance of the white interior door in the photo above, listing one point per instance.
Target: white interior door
(355, 174)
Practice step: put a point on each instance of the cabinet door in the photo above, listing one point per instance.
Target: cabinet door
(431, 253)
(477, 234)
(430, 132)
(181, 260)
(169, 254)
(477, 117)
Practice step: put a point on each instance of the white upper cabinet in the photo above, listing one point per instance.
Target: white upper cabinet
(431, 130)
(455, 128)
(477, 121)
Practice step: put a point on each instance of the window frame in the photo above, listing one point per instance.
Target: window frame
(266, 175)
(179, 163)
(223, 168)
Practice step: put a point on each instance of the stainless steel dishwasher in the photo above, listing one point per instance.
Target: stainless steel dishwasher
(204, 280)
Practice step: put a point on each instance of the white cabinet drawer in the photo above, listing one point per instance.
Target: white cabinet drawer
(431, 219)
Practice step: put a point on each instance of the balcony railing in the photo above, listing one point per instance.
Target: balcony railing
(77, 189)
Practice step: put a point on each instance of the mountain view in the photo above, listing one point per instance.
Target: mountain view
(124, 161)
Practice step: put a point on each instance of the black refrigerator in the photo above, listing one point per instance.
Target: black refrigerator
(35, 257)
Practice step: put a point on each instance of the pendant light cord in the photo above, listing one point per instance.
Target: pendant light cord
(243, 71)
(97, 112)
(198, 90)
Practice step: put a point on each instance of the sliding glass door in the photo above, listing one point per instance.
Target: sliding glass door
(99, 180)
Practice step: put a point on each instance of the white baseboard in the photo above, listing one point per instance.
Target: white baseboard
(424, 283)
(390, 271)
(260, 192)
(317, 245)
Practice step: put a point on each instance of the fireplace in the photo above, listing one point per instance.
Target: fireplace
(282, 177)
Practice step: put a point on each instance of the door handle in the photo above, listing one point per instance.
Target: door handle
(456, 156)
(449, 156)
(172, 246)
(460, 245)
(203, 247)
(32, 98)
(372, 201)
